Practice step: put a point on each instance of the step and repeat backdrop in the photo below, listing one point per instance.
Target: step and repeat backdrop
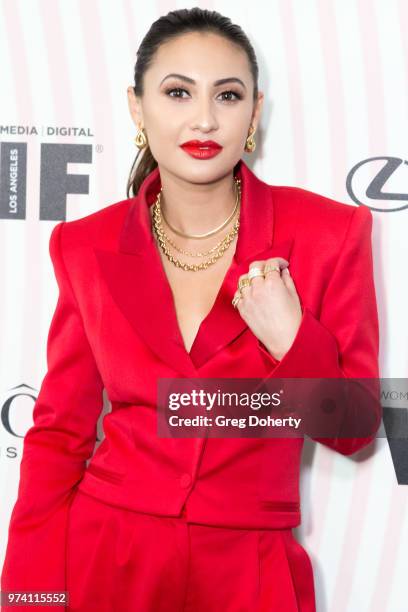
(335, 121)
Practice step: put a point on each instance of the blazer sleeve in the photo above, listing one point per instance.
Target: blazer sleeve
(344, 341)
(55, 448)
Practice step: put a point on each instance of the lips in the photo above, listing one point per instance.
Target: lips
(201, 149)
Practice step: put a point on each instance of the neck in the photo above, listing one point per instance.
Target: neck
(197, 208)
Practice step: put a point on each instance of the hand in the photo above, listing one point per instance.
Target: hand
(271, 307)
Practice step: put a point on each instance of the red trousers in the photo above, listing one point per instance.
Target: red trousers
(124, 561)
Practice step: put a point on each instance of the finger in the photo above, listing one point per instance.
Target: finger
(279, 261)
(256, 273)
(261, 262)
(274, 267)
(272, 271)
(245, 288)
(236, 300)
(257, 280)
(288, 280)
(258, 263)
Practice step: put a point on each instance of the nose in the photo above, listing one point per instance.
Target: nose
(205, 118)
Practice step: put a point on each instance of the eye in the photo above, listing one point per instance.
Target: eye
(169, 91)
(237, 95)
(234, 93)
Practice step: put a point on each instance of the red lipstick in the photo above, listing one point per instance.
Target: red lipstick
(201, 149)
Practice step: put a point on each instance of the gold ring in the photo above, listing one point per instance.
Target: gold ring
(236, 300)
(243, 282)
(253, 272)
(269, 268)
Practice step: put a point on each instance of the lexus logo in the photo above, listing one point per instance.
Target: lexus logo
(375, 189)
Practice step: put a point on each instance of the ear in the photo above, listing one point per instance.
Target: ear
(256, 114)
(135, 107)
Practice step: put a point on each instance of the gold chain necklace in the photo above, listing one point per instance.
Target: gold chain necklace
(237, 183)
(184, 252)
(225, 243)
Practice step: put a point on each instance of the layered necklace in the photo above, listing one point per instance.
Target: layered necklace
(215, 252)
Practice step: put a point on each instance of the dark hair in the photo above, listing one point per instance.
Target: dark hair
(164, 29)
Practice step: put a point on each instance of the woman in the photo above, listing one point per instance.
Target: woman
(187, 278)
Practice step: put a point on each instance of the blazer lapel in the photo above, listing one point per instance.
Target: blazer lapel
(137, 281)
(223, 323)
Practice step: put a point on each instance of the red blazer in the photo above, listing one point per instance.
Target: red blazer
(115, 327)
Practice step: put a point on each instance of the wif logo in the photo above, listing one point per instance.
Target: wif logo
(55, 182)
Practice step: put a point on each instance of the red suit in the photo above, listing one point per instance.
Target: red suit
(233, 501)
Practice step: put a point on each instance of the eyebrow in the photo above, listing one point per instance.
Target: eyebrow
(192, 81)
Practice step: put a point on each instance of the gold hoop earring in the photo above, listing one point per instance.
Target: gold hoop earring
(250, 144)
(141, 139)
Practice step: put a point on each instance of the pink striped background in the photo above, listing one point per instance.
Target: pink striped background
(335, 79)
